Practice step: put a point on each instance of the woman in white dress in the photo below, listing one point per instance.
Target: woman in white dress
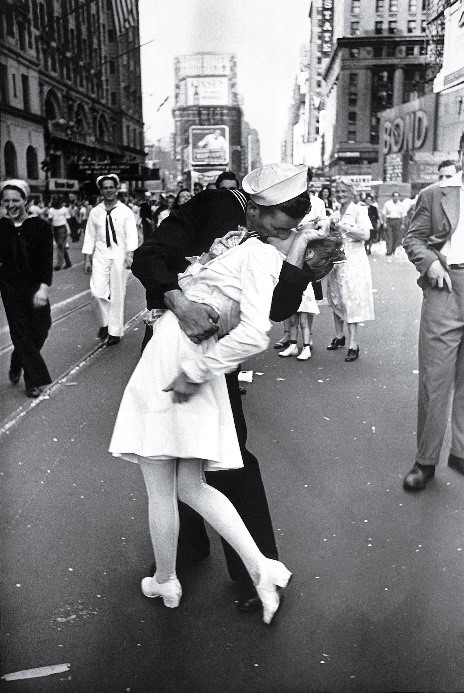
(175, 418)
(349, 285)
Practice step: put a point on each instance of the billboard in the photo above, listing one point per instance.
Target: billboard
(209, 145)
(207, 91)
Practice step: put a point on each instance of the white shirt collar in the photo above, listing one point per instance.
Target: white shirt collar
(454, 182)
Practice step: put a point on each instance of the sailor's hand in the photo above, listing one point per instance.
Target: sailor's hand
(182, 390)
(40, 297)
(197, 320)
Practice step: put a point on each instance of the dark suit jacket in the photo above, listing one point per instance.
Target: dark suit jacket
(435, 218)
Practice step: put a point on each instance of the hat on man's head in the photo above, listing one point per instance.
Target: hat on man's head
(108, 176)
(18, 184)
(273, 184)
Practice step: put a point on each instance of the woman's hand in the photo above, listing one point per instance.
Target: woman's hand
(182, 390)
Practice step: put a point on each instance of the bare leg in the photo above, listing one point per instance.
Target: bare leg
(352, 335)
(338, 326)
(305, 320)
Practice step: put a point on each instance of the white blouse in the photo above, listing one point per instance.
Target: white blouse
(239, 285)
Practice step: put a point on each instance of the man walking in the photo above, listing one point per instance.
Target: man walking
(435, 244)
(393, 214)
(109, 243)
(26, 270)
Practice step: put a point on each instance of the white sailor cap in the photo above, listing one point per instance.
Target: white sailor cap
(110, 176)
(273, 184)
(16, 183)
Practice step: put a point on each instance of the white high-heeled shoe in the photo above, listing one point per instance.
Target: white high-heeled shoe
(170, 591)
(273, 575)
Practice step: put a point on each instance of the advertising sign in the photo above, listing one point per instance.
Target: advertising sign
(327, 27)
(207, 91)
(209, 145)
(63, 185)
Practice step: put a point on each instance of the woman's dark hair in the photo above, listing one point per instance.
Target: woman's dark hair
(296, 208)
(176, 204)
(325, 187)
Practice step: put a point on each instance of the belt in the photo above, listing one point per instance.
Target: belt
(458, 266)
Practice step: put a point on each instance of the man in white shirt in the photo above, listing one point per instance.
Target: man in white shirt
(435, 244)
(393, 214)
(109, 244)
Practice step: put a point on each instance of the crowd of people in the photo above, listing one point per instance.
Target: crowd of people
(218, 266)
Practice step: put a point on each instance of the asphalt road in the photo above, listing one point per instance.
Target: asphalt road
(375, 604)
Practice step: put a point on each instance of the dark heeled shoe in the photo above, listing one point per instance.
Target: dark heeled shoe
(281, 344)
(352, 354)
(336, 342)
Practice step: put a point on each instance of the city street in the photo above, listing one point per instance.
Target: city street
(375, 604)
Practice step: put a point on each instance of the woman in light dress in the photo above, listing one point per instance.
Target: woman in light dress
(349, 285)
(175, 418)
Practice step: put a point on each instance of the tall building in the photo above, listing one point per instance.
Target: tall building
(207, 117)
(378, 61)
(70, 92)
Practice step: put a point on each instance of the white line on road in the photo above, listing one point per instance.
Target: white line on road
(57, 384)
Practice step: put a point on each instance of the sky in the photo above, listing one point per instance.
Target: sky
(265, 35)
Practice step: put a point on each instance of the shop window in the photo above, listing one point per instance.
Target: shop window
(32, 163)
(354, 52)
(11, 160)
(410, 51)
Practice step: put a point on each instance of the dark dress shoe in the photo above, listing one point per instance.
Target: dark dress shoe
(336, 342)
(33, 392)
(281, 345)
(352, 355)
(111, 341)
(456, 463)
(103, 333)
(419, 476)
(14, 375)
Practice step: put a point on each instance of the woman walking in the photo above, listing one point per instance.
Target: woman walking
(349, 286)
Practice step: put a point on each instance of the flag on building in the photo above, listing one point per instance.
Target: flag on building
(125, 15)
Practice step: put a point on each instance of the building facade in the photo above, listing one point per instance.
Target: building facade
(206, 109)
(378, 61)
(71, 103)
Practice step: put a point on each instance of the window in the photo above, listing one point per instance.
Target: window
(392, 6)
(110, 35)
(412, 6)
(392, 26)
(354, 28)
(22, 36)
(114, 98)
(425, 5)
(411, 26)
(379, 28)
(72, 39)
(32, 164)
(423, 26)
(355, 6)
(3, 84)
(11, 160)
(53, 60)
(15, 88)
(26, 93)
(9, 20)
(352, 118)
(112, 67)
(379, 6)
(127, 135)
(352, 99)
